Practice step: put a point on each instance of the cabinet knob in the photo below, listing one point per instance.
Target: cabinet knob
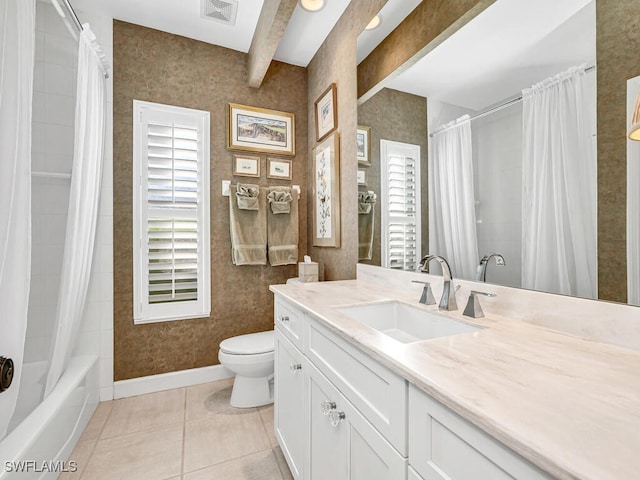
(294, 367)
(284, 318)
(327, 406)
(6, 373)
(336, 417)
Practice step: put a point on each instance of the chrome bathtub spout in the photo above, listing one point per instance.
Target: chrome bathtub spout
(448, 300)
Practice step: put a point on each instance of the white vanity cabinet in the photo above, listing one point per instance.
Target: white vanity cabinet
(342, 415)
(343, 445)
(444, 446)
(290, 410)
(322, 433)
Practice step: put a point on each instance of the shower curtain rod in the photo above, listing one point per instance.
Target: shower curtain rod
(74, 16)
(506, 103)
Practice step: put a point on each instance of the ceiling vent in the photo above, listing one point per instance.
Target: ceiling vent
(222, 11)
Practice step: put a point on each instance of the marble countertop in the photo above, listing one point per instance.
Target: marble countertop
(569, 405)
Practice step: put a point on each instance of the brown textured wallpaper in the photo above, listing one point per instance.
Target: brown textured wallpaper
(400, 117)
(160, 67)
(618, 44)
(335, 62)
(430, 23)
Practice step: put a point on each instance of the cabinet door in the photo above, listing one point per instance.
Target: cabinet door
(444, 446)
(289, 403)
(343, 444)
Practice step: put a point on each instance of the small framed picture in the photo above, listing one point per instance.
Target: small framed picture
(362, 178)
(363, 143)
(246, 166)
(279, 168)
(326, 112)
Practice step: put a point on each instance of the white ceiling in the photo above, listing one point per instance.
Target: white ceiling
(304, 35)
(510, 46)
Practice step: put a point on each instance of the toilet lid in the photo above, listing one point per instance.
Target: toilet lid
(250, 344)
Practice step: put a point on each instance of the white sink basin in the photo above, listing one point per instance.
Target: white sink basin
(405, 323)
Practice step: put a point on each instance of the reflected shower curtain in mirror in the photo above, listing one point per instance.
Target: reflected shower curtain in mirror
(83, 203)
(17, 49)
(559, 186)
(452, 216)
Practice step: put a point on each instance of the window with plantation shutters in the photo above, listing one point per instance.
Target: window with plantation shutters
(171, 213)
(400, 195)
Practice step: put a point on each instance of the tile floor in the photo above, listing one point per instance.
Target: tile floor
(184, 434)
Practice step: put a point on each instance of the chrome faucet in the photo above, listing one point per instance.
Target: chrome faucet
(448, 300)
(481, 272)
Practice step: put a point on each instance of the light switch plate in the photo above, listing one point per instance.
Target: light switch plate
(225, 187)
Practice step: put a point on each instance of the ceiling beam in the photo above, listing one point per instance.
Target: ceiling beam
(272, 23)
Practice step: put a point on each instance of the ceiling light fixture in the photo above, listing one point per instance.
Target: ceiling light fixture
(312, 5)
(374, 23)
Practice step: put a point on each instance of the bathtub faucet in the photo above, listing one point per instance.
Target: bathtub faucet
(448, 300)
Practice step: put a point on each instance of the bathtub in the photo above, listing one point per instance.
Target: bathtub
(39, 446)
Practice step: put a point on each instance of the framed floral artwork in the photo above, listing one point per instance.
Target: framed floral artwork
(363, 145)
(326, 112)
(326, 192)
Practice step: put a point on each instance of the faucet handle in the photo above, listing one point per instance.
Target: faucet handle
(473, 308)
(427, 297)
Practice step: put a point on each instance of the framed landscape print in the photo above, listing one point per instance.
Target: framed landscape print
(326, 112)
(260, 130)
(326, 193)
(363, 143)
(279, 168)
(246, 166)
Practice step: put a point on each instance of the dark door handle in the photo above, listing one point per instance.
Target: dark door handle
(6, 373)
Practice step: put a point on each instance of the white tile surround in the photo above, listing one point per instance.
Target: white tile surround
(52, 150)
(606, 322)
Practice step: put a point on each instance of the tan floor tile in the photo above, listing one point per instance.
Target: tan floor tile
(282, 463)
(210, 399)
(258, 466)
(151, 455)
(219, 438)
(80, 456)
(266, 413)
(96, 424)
(145, 412)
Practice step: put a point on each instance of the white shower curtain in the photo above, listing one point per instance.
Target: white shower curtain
(452, 216)
(559, 186)
(83, 203)
(17, 50)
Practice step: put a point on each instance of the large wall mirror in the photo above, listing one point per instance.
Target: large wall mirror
(486, 149)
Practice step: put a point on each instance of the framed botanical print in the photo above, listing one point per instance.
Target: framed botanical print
(326, 192)
(326, 112)
(363, 145)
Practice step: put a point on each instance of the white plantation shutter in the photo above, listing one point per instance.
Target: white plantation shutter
(171, 213)
(400, 204)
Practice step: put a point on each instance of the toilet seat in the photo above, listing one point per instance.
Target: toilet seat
(250, 344)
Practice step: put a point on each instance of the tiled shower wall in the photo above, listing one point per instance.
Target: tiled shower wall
(52, 152)
(55, 72)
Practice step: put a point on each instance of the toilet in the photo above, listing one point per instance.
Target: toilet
(251, 358)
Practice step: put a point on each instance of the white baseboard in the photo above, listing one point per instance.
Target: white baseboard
(168, 381)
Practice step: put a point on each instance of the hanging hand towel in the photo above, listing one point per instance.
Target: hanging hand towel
(366, 223)
(247, 196)
(282, 229)
(248, 227)
(280, 202)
